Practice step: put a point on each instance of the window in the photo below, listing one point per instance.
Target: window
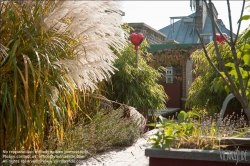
(169, 79)
(169, 74)
(206, 38)
(188, 21)
(169, 70)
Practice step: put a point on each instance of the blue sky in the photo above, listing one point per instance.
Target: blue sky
(156, 13)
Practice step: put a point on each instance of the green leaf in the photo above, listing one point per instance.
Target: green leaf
(161, 119)
(192, 114)
(168, 142)
(246, 36)
(246, 59)
(233, 73)
(169, 131)
(152, 124)
(230, 64)
(245, 17)
(181, 116)
(239, 53)
(190, 125)
(215, 128)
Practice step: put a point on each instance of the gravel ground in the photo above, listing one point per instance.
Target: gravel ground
(129, 156)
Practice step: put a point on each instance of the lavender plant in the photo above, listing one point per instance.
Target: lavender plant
(198, 131)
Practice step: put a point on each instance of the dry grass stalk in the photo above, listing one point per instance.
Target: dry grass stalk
(97, 26)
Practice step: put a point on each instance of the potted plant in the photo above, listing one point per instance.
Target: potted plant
(196, 139)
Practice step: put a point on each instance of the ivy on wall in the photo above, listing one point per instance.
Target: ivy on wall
(176, 57)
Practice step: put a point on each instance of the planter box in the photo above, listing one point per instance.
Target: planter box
(240, 143)
(193, 157)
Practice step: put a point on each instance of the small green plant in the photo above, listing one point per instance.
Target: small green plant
(171, 130)
(196, 131)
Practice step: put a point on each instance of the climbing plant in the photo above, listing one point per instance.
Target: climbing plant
(175, 56)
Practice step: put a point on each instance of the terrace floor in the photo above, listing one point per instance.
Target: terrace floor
(129, 156)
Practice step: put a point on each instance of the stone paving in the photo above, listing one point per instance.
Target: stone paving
(130, 156)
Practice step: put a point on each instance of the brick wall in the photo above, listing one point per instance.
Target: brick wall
(184, 81)
(189, 75)
(153, 36)
(201, 12)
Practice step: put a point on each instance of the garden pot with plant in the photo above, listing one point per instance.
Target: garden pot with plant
(195, 139)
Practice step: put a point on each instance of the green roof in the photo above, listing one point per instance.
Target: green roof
(162, 47)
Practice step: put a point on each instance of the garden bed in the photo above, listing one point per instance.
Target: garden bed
(182, 157)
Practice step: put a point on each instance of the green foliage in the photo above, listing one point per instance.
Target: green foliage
(170, 130)
(243, 55)
(234, 67)
(207, 90)
(210, 87)
(246, 34)
(134, 86)
(195, 130)
(105, 131)
(33, 90)
(38, 90)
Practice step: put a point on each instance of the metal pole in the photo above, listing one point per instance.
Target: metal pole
(137, 63)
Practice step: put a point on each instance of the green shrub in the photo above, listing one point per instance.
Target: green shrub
(136, 86)
(207, 90)
(106, 130)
